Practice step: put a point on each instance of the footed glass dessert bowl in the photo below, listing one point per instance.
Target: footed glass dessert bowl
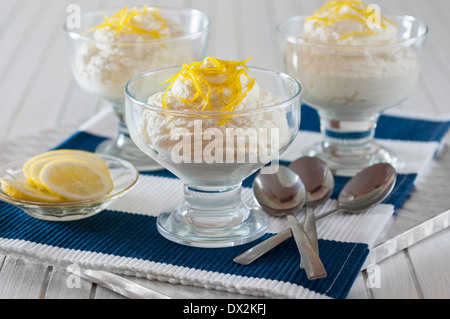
(350, 72)
(110, 47)
(213, 124)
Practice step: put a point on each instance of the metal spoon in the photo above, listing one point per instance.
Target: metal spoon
(283, 193)
(365, 190)
(319, 185)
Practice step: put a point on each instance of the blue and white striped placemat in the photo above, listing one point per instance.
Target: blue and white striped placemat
(124, 239)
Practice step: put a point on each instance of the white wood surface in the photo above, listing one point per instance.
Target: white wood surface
(38, 94)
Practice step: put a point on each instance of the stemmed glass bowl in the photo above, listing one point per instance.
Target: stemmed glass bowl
(103, 66)
(350, 86)
(212, 153)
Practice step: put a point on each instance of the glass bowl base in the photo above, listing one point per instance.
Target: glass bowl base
(64, 214)
(350, 161)
(129, 152)
(177, 228)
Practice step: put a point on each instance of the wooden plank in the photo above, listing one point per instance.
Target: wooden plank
(208, 7)
(2, 260)
(8, 10)
(13, 48)
(282, 9)
(431, 259)
(65, 285)
(103, 293)
(46, 91)
(257, 33)
(435, 14)
(309, 7)
(21, 279)
(392, 278)
(359, 288)
(27, 63)
(15, 32)
(442, 7)
(439, 73)
(78, 106)
(224, 43)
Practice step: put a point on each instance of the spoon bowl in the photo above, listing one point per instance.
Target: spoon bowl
(317, 178)
(281, 193)
(366, 189)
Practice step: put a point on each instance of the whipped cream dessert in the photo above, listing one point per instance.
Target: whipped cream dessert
(125, 45)
(347, 64)
(206, 127)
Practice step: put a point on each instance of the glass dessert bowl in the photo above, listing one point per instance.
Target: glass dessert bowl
(112, 46)
(213, 123)
(350, 72)
(123, 174)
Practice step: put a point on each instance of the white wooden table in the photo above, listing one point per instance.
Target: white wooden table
(39, 96)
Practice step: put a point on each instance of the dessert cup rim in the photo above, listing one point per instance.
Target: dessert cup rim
(405, 42)
(78, 35)
(209, 114)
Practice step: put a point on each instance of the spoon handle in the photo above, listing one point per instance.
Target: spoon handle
(257, 251)
(263, 247)
(311, 230)
(313, 266)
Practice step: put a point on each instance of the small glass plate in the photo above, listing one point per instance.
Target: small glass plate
(123, 174)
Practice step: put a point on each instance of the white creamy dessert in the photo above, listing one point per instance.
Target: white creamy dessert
(123, 47)
(346, 66)
(201, 133)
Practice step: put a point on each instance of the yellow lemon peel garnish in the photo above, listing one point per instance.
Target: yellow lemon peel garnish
(231, 91)
(330, 13)
(124, 21)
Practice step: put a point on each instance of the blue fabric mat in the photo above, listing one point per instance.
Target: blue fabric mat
(133, 235)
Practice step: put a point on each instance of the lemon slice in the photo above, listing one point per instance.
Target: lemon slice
(84, 155)
(35, 168)
(26, 191)
(75, 180)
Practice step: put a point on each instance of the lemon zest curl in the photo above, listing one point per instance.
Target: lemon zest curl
(231, 91)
